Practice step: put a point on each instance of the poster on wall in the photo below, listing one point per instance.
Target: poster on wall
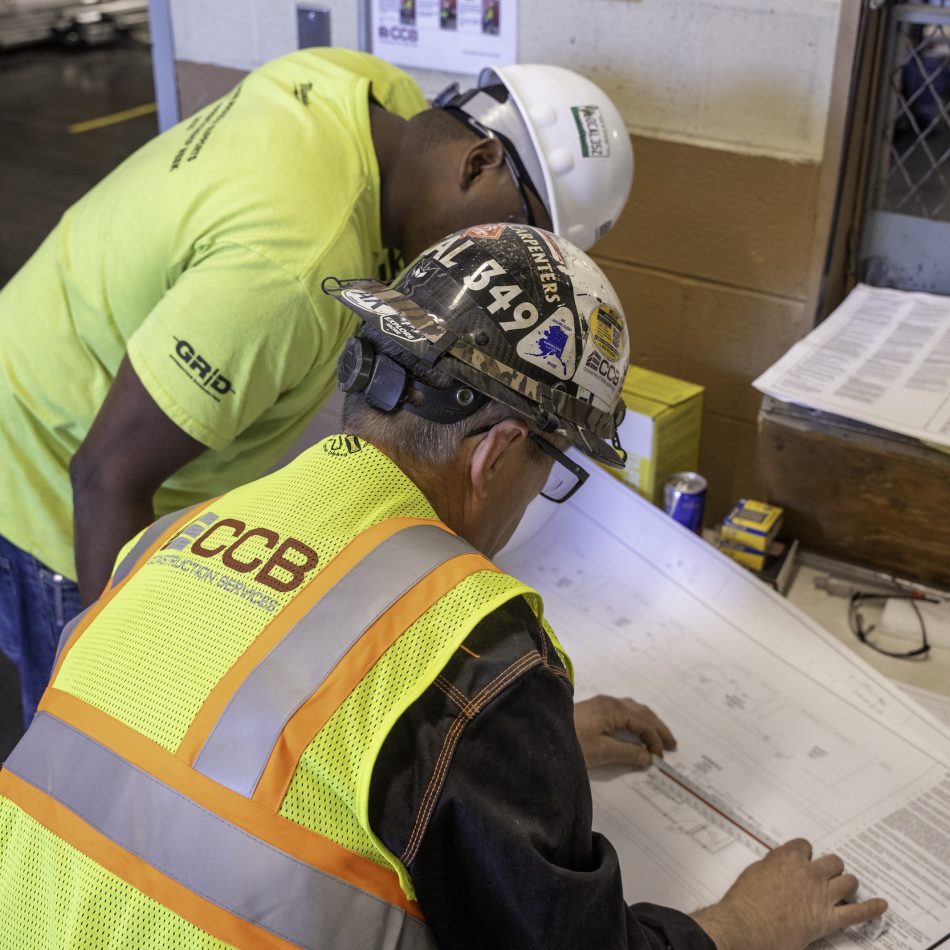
(458, 36)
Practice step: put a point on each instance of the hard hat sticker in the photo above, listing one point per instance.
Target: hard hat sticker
(604, 354)
(399, 327)
(389, 320)
(490, 232)
(597, 371)
(592, 129)
(552, 344)
(607, 332)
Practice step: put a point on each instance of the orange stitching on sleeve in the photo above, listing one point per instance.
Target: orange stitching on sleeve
(468, 651)
(433, 788)
(444, 687)
(437, 779)
(452, 691)
(499, 682)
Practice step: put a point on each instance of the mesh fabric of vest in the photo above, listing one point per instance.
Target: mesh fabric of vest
(53, 896)
(152, 657)
(330, 788)
(155, 653)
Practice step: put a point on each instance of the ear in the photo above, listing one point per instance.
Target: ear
(481, 156)
(492, 454)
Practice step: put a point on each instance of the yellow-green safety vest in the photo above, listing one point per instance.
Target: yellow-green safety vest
(196, 782)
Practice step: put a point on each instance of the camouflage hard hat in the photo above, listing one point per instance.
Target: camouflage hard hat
(518, 314)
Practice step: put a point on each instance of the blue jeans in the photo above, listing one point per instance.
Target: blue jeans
(35, 605)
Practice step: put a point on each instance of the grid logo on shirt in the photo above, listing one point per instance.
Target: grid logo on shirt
(208, 378)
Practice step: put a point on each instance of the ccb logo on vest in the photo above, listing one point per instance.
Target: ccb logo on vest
(240, 549)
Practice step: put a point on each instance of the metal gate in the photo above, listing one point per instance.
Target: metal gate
(906, 235)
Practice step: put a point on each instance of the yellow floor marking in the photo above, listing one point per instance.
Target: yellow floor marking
(113, 119)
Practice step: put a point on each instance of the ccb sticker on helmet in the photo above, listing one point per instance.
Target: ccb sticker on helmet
(607, 332)
(552, 344)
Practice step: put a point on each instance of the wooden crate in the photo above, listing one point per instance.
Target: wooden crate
(858, 493)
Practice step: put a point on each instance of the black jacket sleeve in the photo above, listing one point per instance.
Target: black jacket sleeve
(505, 857)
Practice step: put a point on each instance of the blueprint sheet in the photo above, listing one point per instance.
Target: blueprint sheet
(783, 732)
(936, 704)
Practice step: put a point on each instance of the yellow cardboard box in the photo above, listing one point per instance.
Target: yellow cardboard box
(748, 557)
(660, 431)
(752, 524)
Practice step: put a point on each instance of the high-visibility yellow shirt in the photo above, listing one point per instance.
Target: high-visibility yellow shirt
(202, 257)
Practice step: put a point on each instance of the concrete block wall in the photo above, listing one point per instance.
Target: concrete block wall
(726, 102)
(711, 260)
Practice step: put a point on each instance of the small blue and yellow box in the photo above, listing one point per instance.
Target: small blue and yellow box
(752, 525)
(747, 557)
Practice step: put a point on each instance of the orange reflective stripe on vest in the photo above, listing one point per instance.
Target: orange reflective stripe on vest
(277, 629)
(187, 846)
(199, 831)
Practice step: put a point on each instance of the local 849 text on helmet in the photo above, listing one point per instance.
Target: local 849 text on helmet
(520, 315)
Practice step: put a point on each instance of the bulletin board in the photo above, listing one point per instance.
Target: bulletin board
(456, 36)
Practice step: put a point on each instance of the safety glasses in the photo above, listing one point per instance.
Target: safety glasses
(565, 477)
(452, 105)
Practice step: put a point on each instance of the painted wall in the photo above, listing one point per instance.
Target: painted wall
(745, 75)
(727, 102)
(242, 34)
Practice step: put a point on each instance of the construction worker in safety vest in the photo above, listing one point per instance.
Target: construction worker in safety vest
(312, 712)
(169, 340)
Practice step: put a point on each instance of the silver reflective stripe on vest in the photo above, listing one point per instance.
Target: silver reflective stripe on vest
(149, 536)
(239, 746)
(68, 630)
(201, 851)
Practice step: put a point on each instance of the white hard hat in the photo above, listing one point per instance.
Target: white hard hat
(570, 138)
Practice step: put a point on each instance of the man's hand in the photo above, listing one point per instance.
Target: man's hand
(786, 901)
(597, 720)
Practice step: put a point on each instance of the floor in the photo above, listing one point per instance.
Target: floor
(44, 168)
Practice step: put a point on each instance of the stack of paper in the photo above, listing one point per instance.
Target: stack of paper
(883, 357)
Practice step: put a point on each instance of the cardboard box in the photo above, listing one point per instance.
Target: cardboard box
(747, 557)
(752, 524)
(858, 493)
(661, 430)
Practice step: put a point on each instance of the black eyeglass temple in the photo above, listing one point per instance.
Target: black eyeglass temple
(513, 161)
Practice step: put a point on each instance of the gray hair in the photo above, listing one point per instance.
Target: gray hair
(435, 443)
